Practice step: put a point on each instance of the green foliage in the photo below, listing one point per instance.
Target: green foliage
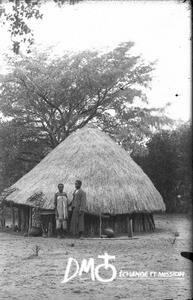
(169, 165)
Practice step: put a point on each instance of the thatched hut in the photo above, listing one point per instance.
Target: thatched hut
(117, 189)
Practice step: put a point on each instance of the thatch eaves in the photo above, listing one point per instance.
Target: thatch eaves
(113, 182)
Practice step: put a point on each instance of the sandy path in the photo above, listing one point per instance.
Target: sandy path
(39, 278)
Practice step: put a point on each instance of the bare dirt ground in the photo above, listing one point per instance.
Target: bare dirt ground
(24, 276)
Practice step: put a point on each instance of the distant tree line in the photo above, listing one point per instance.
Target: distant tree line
(169, 165)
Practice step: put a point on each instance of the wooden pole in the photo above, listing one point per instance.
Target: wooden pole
(143, 218)
(30, 220)
(19, 218)
(129, 226)
(13, 217)
(22, 218)
(152, 224)
(151, 217)
(22, 214)
(26, 218)
(30, 217)
(100, 225)
(50, 229)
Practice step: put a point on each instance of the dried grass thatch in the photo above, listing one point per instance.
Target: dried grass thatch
(114, 183)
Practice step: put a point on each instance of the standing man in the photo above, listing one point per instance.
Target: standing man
(61, 210)
(78, 205)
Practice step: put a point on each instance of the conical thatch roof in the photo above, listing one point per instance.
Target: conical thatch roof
(114, 183)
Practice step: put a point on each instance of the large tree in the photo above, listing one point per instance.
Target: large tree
(47, 99)
(63, 94)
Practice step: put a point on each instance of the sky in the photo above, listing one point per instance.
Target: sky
(161, 30)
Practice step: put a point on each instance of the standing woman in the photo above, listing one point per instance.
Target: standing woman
(78, 205)
(61, 210)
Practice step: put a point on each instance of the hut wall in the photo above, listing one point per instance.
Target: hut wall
(45, 220)
(92, 226)
(23, 218)
(142, 222)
